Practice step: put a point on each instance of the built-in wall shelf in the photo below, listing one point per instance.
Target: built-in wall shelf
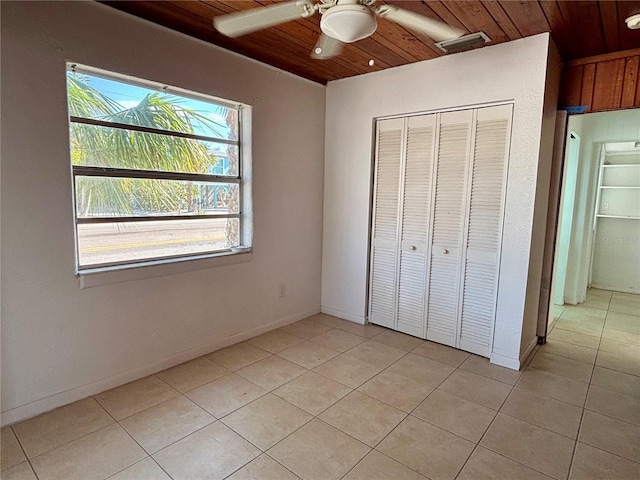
(618, 186)
(629, 217)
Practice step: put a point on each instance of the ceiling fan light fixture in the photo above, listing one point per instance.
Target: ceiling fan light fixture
(633, 22)
(348, 23)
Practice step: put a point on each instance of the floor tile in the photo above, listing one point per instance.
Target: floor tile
(545, 412)
(238, 356)
(306, 329)
(226, 394)
(193, 374)
(622, 305)
(595, 301)
(598, 292)
(421, 370)
(11, 451)
(607, 345)
(338, 340)
(348, 371)
(131, 398)
(456, 415)
(166, 423)
(263, 468)
(623, 322)
(621, 337)
(398, 340)
(481, 366)
(594, 464)
(22, 471)
(621, 362)
(376, 354)
(487, 465)
(624, 296)
(574, 338)
(427, 449)
(612, 435)
(312, 392)
(535, 447)
(562, 366)
(481, 390)
(318, 451)
(554, 386)
(275, 341)
(367, 331)
(614, 404)
(271, 372)
(441, 353)
(146, 469)
(308, 354)
(397, 390)
(62, 425)
(96, 455)
(213, 452)
(266, 421)
(584, 328)
(568, 350)
(581, 313)
(363, 417)
(377, 466)
(616, 381)
(330, 321)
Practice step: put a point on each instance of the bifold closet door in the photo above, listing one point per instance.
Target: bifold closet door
(384, 242)
(404, 160)
(448, 226)
(415, 214)
(487, 181)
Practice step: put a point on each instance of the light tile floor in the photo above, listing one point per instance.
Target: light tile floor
(327, 399)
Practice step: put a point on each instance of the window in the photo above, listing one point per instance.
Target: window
(157, 171)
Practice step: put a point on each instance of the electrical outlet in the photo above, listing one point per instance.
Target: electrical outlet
(282, 290)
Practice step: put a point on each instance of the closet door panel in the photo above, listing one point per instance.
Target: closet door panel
(448, 226)
(415, 224)
(484, 232)
(384, 254)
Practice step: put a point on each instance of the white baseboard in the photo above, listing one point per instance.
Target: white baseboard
(504, 361)
(56, 400)
(344, 315)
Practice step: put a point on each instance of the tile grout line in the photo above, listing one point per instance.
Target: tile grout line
(28, 460)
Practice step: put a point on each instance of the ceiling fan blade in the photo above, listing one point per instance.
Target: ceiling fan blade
(435, 29)
(248, 21)
(326, 47)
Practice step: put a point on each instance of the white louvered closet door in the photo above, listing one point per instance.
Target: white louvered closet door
(484, 228)
(416, 201)
(384, 251)
(448, 226)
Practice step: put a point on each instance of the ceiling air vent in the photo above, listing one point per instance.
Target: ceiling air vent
(467, 42)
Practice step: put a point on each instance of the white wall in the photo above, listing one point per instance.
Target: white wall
(594, 129)
(529, 337)
(60, 342)
(512, 71)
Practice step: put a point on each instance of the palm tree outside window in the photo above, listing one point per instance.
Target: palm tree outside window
(157, 172)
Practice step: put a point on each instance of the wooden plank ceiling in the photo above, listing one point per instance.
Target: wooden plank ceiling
(579, 28)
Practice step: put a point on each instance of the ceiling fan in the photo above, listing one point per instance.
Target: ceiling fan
(343, 21)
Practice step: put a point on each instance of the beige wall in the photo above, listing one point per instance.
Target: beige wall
(61, 342)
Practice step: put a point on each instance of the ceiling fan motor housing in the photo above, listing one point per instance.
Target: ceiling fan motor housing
(348, 23)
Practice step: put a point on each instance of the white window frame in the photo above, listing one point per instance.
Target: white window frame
(92, 275)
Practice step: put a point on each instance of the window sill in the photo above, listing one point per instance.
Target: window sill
(96, 277)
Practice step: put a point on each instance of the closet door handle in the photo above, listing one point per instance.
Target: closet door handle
(412, 247)
(445, 251)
